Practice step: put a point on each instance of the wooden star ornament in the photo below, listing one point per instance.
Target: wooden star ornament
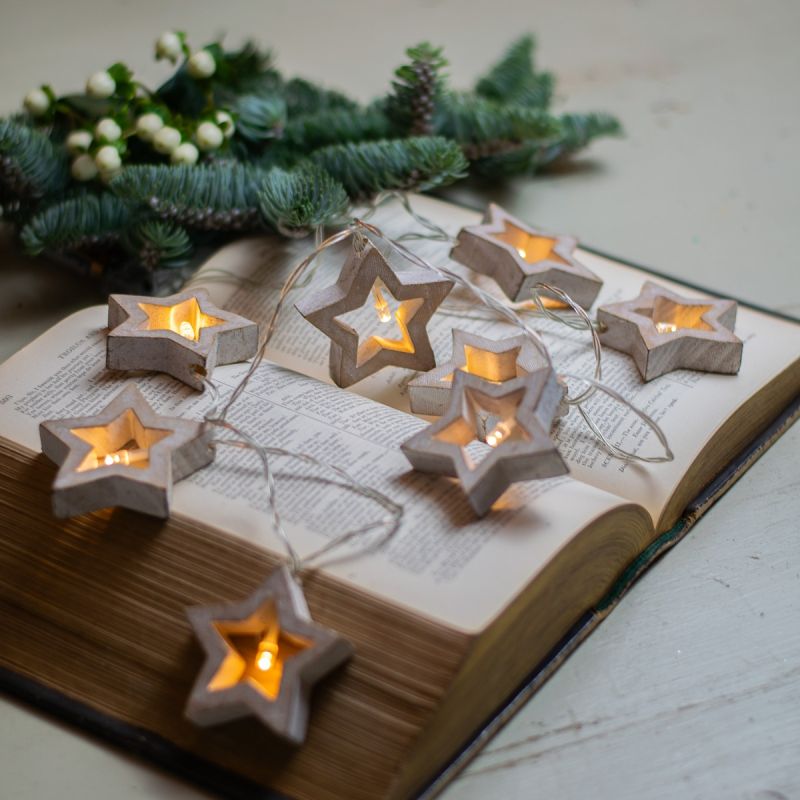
(126, 456)
(664, 331)
(263, 656)
(184, 335)
(518, 448)
(495, 360)
(518, 256)
(395, 305)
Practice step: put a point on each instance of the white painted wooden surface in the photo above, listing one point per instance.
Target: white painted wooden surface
(692, 687)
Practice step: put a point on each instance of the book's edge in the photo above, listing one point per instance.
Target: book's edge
(543, 671)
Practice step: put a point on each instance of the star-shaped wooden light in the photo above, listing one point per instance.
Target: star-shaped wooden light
(184, 335)
(364, 283)
(127, 455)
(263, 656)
(518, 256)
(519, 445)
(664, 331)
(495, 360)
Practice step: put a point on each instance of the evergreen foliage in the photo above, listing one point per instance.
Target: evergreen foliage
(274, 153)
(83, 222)
(421, 163)
(297, 201)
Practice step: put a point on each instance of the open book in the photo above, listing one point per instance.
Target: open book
(448, 620)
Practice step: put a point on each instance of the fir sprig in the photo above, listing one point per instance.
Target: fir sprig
(296, 201)
(213, 197)
(158, 244)
(32, 165)
(513, 78)
(85, 222)
(417, 164)
(416, 90)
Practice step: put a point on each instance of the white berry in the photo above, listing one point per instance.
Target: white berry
(166, 139)
(108, 159)
(148, 125)
(168, 46)
(208, 136)
(107, 130)
(36, 102)
(186, 153)
(201, 64)
(225, 122)
(79, 142)
(101, 85)
(83, 168)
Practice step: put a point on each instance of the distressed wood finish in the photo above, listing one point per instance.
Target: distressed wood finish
(98, 467)
(144, 334)
(663, 331)
(521, 447)
(235, 681)
(419, 291)
(518, 256)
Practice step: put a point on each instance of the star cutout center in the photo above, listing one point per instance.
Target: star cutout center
(185, 318)
(381, 324)
(531, 247)
(669, 316)
(494, 367)
(258, 650)
(124, 440)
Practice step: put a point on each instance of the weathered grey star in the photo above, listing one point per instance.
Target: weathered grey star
(520, 447)
(368, 275)
(496, 360)
(184, 335)
(127, 455)
(664, 331)
(263, 655)
(518, 256)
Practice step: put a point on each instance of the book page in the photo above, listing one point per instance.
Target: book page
(689, 406)
(442, 562)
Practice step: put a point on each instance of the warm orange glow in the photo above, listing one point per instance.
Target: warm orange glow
(530, 248)
(477, 408)
(670, 317)
(123, 441)
(388, 310)
(494, 367)
(258, 650)
(186, 318)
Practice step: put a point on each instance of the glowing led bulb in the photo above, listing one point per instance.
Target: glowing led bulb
(186, 330)
(522, 252)
(495, 437)
(124, 457)
(268, 650)
(666, 327)
(381, 306)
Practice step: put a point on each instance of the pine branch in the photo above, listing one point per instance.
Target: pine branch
(214, 197)
(483, 128)
(158, 244)
(579, 130)
(84, 222)
(408, 164)
(418, 86)
(513, 79)
(297, 201)
(31, 165)
(309, 132)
